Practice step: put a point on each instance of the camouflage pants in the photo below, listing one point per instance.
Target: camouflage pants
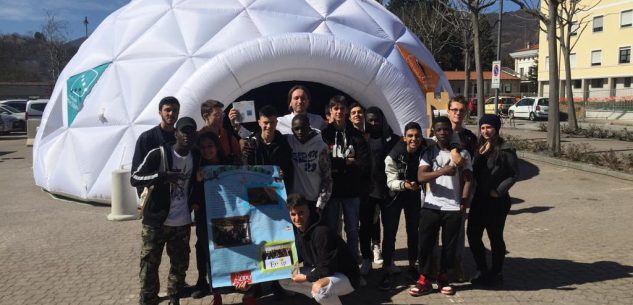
(153, 242)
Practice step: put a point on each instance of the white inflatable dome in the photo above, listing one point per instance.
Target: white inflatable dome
(220, 49)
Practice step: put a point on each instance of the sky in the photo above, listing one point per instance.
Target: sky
(27, 16)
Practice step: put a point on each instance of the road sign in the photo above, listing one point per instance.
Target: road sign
(496, 75)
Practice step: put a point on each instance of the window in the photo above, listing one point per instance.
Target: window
(574, 28)
(543, 102)
(625, 55)
(546, 68)
(38, 106)
(507, 88)
(521, 72)
(572, 60)
(597, 24)
(627, 82)
(626, 19)
(596, 58)
(597, 83)
(577, 83)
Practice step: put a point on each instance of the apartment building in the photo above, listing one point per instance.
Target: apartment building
(600, 61)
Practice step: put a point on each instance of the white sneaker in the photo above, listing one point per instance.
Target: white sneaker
(377, 255)
(392, 269)
(365, 267)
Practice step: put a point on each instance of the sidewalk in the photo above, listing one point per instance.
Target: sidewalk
(568, 234)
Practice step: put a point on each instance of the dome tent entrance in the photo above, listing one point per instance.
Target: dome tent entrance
(196, 50)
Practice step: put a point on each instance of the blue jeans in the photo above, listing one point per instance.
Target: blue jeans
(351, 213)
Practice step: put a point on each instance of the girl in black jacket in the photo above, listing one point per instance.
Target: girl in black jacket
(495, 170)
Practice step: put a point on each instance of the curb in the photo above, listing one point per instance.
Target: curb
(575, 165)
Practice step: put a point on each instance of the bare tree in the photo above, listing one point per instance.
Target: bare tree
(55, 32)
(571, 26)
(548, 15)
(475, 8)
(421, 18)
(461, 31)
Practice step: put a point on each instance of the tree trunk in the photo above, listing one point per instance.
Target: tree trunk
(571, 108)
(553, 118)
(478, 68)
(467, 73)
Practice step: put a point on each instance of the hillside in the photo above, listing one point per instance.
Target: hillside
(519, 29)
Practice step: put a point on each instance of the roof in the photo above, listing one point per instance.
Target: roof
(531, 47)
(459, 75)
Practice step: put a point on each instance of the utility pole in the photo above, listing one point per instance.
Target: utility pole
(499, 53)
(86, 25)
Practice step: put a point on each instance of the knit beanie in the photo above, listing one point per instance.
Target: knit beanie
(491, 120)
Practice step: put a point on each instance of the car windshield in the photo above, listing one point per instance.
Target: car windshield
(10, 109)
(543, 102)
(508, 101)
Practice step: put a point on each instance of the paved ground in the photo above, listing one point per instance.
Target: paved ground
(568, 235)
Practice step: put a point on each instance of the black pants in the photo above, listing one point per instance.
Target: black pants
(202, 247)
(430, 223)
(490, 214)
(369, 231)
(391, 210)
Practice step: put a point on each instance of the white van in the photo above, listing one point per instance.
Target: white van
(35, 108)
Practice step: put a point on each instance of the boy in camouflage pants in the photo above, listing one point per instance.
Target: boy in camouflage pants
(167, 215)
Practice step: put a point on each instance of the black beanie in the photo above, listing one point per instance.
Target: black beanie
(491, 120)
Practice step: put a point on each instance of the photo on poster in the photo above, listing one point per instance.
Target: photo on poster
(231, 231)
(277, 256)
(262, 196)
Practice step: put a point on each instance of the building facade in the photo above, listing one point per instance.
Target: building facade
(510, 84)
(525, 64)
(600, 60)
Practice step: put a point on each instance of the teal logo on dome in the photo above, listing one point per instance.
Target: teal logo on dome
(79, 86)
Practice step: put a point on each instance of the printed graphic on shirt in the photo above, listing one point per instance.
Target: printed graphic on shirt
(178, 191)
(306, 161)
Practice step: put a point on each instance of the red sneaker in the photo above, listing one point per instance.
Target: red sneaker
(422, 287)
(217, 299)
(443, 285)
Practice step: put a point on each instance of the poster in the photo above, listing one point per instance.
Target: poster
(246, 109)
(251, 238)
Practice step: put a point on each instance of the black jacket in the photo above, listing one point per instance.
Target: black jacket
(157, 209)
(324, 253)
(468, 141)
(498, 173)
(148, 140)
(348, 180)
(379, 148)
(276, 153)
(401, 166)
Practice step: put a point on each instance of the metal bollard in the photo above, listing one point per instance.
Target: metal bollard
(124, 206)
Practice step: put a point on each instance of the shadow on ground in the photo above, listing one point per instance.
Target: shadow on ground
(530, 274)
(530, 210)
(527, 170)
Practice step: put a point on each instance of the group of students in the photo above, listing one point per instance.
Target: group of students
(351, 166)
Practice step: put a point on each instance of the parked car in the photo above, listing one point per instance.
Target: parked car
(472, 106)
(16, 103)
(532, 108)
(35, 108)
(7, 123)
(20, 124)
(504, 104)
